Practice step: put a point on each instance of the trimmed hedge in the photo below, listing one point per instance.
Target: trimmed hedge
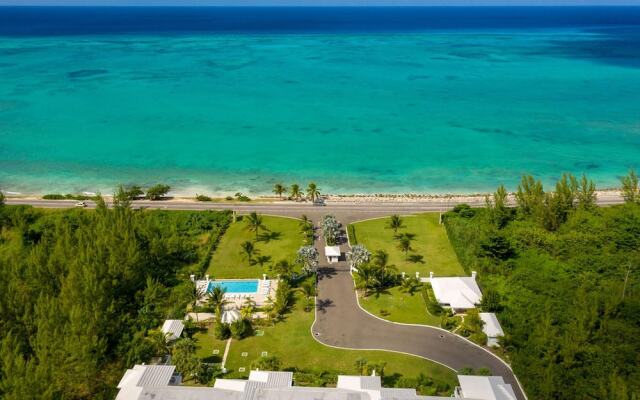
(430, 300)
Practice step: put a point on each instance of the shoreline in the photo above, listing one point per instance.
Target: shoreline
(613, 194)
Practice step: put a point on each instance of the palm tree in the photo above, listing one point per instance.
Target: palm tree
(395, 223)
(308, 289)
(248, 249)
(365, 275)
(159, 341)
(247, 309)
(217, 300)
(380, 259)
(282, 268)
(295, 191)
(404, 244)
(313, 192)
(304, 222)
(197, 294)
(279, 189)
(254, 223)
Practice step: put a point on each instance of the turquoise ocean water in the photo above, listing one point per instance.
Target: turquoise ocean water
(437, 111)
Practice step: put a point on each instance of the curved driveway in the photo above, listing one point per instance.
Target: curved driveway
(340, 322)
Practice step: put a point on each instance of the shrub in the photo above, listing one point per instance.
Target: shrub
(242, 197)
(478, 338)
(53, 196)
(201, 197)
(430, 300)
(222, 331)
(240, 329)
(464, 210)
(269, 363)
(351, 231)
(449, 322)
(158, 191)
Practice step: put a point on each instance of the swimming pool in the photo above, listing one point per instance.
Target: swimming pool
(241, 286)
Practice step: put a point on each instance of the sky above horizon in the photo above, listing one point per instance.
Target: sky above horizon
(319, 2)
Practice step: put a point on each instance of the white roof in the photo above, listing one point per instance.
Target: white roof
(173, 327)
(458, 292)
(359, 382)
(332, 251)
(152, 382)
(491, 325)
(140, 376)
(485, 388)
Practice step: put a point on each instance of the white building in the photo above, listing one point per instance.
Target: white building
(491, 328)
(158, 382)
(457, 293)
(172, 328)
(332, 253)
(484, 387)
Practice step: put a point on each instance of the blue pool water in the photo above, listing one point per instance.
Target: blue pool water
(248, 286)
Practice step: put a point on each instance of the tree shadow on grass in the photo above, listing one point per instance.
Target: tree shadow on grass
(213, 359)
(416, 258)
(269, 236)
(262, 260)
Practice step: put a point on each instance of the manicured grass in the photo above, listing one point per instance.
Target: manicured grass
(291, 341)
(280, 242)
(431, 242)
(400, 307)
(207, 343)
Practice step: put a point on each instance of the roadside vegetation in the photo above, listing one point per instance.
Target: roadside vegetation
(83, 292)
(563, 276)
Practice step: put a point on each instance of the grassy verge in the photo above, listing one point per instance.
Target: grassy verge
(431, 242)
(400, 307)
(279, 242)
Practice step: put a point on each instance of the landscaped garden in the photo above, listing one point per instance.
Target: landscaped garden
(289, 344)
(245, 253)
(430, 249)
(384, 248)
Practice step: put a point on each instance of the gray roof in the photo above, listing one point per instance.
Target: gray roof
(156, 375)
(188, 393)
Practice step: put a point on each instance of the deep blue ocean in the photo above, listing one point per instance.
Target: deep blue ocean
(380, 99)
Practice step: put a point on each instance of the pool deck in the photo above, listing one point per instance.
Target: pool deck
(237, 299)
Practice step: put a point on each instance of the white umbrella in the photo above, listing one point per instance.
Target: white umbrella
(230, 316)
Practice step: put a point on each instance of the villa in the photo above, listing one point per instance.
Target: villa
(160, 382)
(457, 293)
(491, 328)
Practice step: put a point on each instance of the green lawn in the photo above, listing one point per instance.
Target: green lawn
(400, 307)
(291, 341)
(281, 241)
(431, 242)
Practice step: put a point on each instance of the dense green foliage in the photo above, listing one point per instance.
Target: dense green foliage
(68, 196)
(82, 291)
(564, 278)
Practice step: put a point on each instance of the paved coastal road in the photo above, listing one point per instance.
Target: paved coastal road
(340, 322)
(354, 210)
